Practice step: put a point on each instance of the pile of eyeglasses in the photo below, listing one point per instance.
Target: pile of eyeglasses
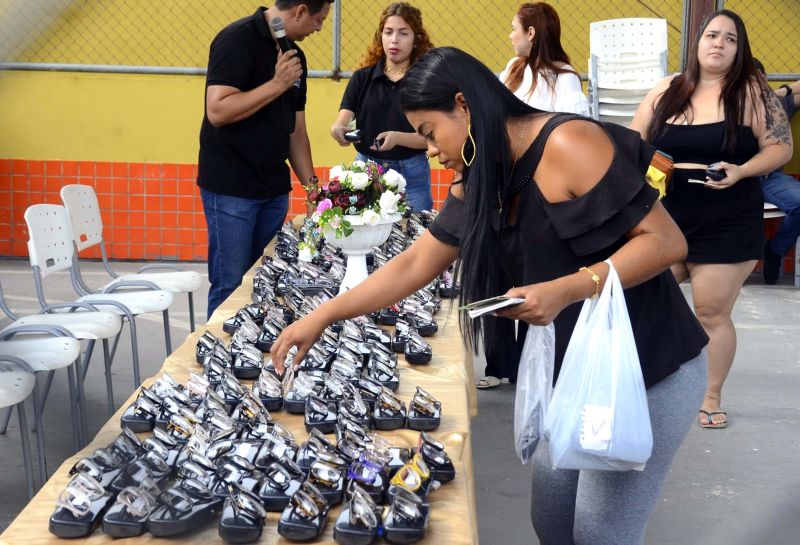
(215, 458)
(215, 451)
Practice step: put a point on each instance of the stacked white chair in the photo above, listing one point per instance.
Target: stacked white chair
(16, 385)
(45, 349)
(51, 250)
(627, 58)
(87, 231)
(80, 321)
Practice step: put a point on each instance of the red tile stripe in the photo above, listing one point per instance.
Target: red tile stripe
(149, 210)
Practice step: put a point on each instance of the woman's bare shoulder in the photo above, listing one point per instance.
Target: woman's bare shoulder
(577, 155)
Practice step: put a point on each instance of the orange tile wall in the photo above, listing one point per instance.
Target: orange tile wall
(149, 210)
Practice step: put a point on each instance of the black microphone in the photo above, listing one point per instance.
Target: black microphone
(280, 34)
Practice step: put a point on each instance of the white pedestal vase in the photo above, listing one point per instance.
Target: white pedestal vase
(358, 244)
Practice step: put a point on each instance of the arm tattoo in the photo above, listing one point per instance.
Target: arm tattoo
(776, 121)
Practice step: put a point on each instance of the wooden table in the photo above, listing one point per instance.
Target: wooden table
(449, 377)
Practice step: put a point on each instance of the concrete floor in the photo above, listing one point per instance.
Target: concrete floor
(737, 486)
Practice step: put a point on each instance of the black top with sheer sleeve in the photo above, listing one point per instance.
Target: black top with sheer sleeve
(550, 240)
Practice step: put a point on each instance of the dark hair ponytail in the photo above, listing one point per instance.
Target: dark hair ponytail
(432, 84)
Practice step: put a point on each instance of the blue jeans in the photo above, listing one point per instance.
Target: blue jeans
(417, 172)
(238, 231)
(783, 191)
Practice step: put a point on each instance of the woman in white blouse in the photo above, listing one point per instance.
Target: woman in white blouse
(536, 38)
(540, 74)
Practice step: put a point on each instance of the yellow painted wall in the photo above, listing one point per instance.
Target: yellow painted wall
(115, 117)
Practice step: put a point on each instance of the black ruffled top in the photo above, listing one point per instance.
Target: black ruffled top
(550, 240)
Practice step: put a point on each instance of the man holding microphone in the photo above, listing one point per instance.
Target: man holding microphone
(254, 121)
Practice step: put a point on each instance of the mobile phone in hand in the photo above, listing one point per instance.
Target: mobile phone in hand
(353, 136)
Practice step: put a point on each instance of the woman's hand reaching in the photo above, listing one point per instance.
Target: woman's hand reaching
(302, 334)
(542, 303)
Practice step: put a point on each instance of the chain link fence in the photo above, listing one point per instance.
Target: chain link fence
(772, 27)
(136, 34)
(173, 36)
(482, 27)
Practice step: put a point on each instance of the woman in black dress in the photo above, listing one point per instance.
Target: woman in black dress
(543, 196)
(720, 114)
(370, 100)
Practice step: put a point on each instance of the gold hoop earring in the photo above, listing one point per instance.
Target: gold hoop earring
(471, 140)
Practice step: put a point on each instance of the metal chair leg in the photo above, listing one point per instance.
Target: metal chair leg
(87, 357)
(191, 312)
(84, 419)
(109, 383)
(114, 346)
(76, 406)
(137, 381)
(5, 419)
(37, 419)
(167, 336)
(46, 391)
(26, 447)
(80, 377)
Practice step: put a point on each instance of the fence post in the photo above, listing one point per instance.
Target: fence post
(337, 40)
(693, 13)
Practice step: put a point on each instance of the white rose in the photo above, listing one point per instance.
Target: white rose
(336, 173)
(370, 217)
(359, 180)
(395, 179)
(359, 164)
(305, 254)
(388, 203)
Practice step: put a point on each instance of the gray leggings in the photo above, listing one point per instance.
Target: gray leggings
(608, 507)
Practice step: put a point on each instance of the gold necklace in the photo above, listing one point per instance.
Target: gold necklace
(513, 166)
(398, 71)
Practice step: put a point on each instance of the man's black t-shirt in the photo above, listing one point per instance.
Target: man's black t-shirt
(248, 158)
(373, 98)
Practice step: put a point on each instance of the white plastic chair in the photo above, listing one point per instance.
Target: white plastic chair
(628, 39)
(51, 250)
(627, 58)
(45, 349)
(81, 321)
(16, 384)
(87, 231)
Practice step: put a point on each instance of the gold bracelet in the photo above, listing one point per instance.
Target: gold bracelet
(595, 279)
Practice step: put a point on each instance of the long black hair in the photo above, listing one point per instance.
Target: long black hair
(432, 84)
(741, 83)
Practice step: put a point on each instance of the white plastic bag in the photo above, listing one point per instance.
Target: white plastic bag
(534, 388)
(598, 417)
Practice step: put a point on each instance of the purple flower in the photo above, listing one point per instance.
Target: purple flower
(335, 186)
(323, 205)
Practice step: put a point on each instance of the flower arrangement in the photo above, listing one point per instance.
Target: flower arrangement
(361, 193)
